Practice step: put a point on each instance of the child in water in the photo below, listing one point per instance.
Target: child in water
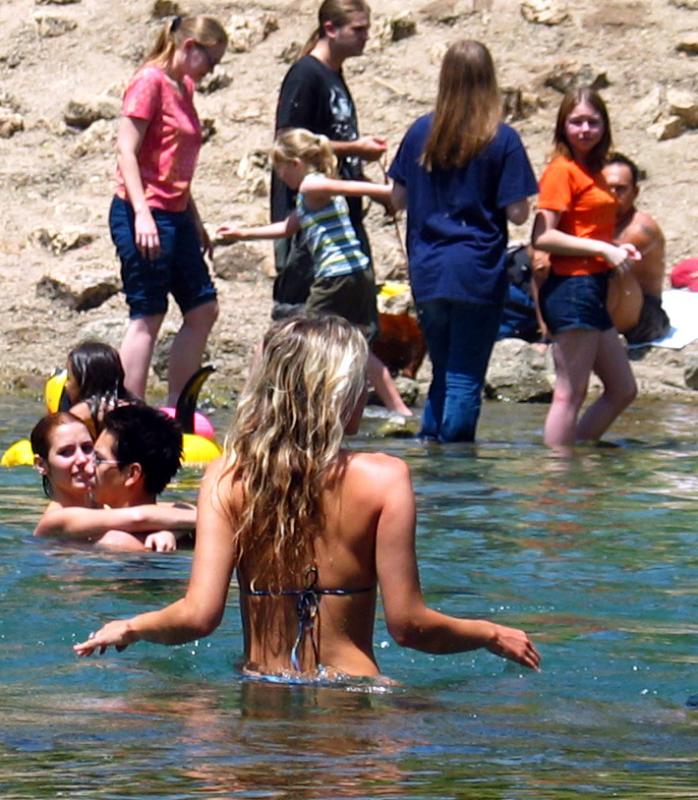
(95, 383)
(343, 281)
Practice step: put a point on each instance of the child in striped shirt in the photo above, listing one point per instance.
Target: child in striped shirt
(343, 282)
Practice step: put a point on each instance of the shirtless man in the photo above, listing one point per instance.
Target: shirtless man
(635, 295)
(131, 462)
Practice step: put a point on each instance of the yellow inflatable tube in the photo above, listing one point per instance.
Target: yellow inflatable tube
(196, 449)
(18, 454)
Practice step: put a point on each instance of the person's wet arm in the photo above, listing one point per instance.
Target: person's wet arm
(88, 523)
(410, 622)
(200, 611)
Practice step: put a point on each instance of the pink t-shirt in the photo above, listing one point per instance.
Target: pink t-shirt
(170, 148)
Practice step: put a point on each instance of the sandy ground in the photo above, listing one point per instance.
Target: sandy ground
(58, 179)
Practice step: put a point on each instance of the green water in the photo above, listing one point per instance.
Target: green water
(596, 557)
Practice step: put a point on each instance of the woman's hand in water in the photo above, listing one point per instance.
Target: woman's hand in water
(621, 256)
(146, 234)
(161, 542)
(118, 634)
(515, 645)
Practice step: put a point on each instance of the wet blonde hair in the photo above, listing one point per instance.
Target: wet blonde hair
(339, 13)
(468, 107)
(284, 441)
(311, 148)
(206, 31)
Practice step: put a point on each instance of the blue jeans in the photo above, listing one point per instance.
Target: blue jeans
(459, 337)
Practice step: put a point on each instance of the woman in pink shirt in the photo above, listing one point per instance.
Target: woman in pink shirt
(153, 219)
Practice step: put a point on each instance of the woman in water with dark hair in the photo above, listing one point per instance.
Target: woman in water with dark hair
(463, 174)
(312, 529)
(575, 224)
(95, 382)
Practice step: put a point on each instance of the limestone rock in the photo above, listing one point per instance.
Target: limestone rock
(444, 12)
(220, 78)
(49, 26)
(437, 53)
(618, 15)
(208, 128)
(401, 26)
(244, 32)
(290, 53)
(666, 128)
(231, 262)
(10, 123)
(690, 373)
(544, 12)
(518, 372)
(165, 8)
(83, 294)
(649, 107)
(566, 75)
(692, 5)
(688, 44)
(59, 242)
(81, 113)
(683, 104)
(518, 103)
(254, 172)
(100, 137)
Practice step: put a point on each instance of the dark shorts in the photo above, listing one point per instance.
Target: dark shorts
(180, 268)
(653, 323)
(575, 302)
(350, 296)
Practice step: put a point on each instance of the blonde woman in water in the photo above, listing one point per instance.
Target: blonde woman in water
(313, 530)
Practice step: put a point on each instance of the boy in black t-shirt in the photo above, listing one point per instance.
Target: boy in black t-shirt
(314, 96)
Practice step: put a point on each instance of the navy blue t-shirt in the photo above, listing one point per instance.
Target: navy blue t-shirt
(456, 218)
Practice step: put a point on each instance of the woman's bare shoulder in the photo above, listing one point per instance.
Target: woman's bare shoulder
(377, 468)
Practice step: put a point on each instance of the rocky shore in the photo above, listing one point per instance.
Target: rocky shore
(64, 64)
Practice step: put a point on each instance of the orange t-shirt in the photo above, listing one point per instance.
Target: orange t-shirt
(587, 209)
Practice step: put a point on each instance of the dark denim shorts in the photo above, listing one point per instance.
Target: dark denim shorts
(180, 268)
(575, 302)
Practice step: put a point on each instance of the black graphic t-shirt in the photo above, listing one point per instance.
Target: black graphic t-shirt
(315, 97)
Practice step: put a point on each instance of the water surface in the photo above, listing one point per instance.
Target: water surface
(596, 557)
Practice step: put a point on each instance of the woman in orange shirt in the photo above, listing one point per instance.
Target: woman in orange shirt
(574, 223)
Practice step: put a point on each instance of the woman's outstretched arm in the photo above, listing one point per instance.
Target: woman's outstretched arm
(200, 611)
(410, 622)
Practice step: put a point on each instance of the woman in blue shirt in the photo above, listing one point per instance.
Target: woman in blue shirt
(462, 174)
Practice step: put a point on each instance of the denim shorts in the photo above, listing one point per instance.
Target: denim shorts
(180, 268)
(575, 302)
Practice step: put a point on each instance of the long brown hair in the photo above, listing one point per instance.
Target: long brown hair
(284, 440)
(338, 12)
(206, 31)
(468, 107)
(585, 94)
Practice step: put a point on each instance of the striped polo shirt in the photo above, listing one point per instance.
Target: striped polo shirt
(331, 239)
